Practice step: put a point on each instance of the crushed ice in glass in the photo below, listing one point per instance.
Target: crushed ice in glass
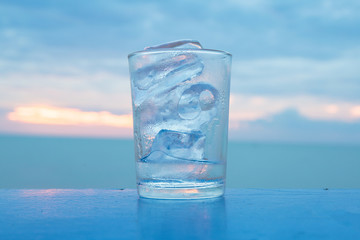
(173, 104)
(178, 145)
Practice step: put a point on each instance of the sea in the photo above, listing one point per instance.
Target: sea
(64, 162)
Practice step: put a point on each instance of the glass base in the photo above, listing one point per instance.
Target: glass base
(148, 190)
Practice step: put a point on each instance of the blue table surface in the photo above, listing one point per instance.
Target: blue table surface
(120, 214)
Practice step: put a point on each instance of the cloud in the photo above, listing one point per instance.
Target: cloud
(245, 28)
(290, 126)
(248, 108)
(338, 77)
(332, 9)
(302, 55)
(50, 115)
(99, 91)
(109, 27)
(251, 118)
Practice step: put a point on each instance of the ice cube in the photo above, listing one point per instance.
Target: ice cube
(207, 99)
(156, 113)
(198, 97)
(165, 75)
(160, 157)
(184, 109)
(188, 106)
(184, 44)
(180, 145)
(159, 108)
(149, 75)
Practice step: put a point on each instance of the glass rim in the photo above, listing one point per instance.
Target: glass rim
(180, 50)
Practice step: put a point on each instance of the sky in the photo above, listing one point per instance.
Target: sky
(295, 71)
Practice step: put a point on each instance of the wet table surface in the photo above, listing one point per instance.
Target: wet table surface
(120, 214)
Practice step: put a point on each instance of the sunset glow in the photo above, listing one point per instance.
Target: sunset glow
(50, 115)
(332, 109)
(247, 108)
(355, 111)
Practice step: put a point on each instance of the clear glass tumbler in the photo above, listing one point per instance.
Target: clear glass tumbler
(180, 100)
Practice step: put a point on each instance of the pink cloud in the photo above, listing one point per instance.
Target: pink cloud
(49, 120)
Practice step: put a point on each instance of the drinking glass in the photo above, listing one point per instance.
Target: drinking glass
(180, 100)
